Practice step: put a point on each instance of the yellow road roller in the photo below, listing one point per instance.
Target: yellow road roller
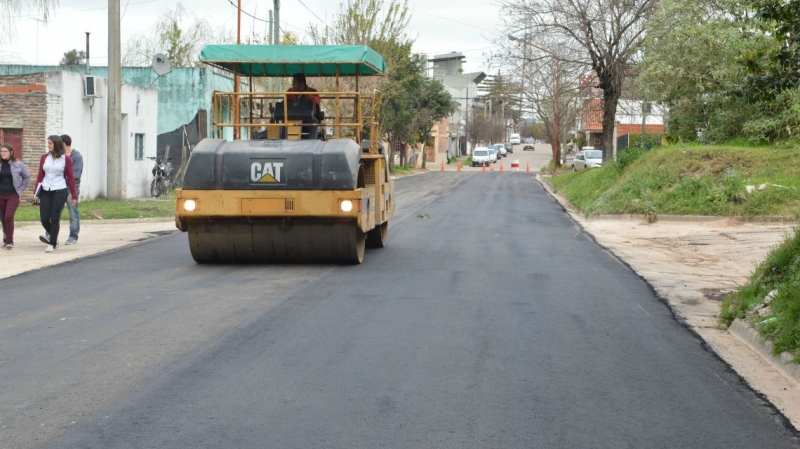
(295, 175)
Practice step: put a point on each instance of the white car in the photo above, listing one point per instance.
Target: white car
(587, 159)
(493, 154)
(480, 156)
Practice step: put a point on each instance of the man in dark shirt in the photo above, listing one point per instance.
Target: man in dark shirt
(77, 171)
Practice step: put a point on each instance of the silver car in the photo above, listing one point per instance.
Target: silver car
(501, 150)
(587, 159)
(493, 155)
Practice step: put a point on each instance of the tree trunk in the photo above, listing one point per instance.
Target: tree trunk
(391, 155)
(609, 119)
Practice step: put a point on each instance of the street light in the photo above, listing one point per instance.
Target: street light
(557, 109)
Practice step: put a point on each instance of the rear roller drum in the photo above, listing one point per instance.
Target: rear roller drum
(377, 237)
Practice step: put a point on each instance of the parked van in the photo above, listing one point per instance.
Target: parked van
(514, 138)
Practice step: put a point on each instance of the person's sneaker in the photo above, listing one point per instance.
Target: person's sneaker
(44, 238)
(9, 245)
(49, 249)
(71, 241)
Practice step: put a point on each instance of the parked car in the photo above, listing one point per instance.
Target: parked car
(480, 156)
(527, 148)
(509, 147)
(587, 159)
(501, 150)
(493, 154)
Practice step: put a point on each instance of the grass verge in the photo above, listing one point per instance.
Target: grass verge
(691, 180)
(776, 318)
(108, 209)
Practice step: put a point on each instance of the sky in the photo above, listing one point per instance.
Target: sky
(437, 26)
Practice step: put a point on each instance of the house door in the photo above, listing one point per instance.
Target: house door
(13, 137)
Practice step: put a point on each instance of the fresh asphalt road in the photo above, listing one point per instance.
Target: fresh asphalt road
(490, 321)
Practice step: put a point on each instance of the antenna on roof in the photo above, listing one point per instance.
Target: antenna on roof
(161, 65)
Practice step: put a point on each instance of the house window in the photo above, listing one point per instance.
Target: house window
(138, 144)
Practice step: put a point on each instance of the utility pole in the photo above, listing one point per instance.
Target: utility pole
(88, 67)
(277, 32)
(114, 114)
(236, 80)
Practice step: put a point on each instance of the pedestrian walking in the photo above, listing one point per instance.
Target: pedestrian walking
(14, 179)
(53, 184)
(72, 208)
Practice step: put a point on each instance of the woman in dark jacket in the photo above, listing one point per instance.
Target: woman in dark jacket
(14, 179)
(54, 182)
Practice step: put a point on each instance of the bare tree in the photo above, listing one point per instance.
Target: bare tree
(545, 82)
(179, 34)
(11, 10)
(604, 36)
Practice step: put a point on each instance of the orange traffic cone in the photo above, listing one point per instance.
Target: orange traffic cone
(458, 167)
(443, 165)
(491, 166)
(484, 167)
(527, 166)
(501, 165)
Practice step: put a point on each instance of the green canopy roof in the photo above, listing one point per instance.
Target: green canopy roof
(286, 60)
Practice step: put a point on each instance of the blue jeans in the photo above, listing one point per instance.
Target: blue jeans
(74, 218)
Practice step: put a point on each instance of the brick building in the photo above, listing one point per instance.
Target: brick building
(36, 105)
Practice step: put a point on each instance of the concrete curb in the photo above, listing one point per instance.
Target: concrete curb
(107, 221)
(749, 336)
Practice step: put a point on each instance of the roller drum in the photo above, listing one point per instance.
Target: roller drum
(277, 240)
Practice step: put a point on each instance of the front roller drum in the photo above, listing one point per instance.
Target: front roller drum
(279, 241)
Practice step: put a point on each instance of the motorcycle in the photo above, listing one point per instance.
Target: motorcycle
(161, 180)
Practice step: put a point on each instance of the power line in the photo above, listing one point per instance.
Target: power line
(247, 13)
(471, 25)
(312, 12)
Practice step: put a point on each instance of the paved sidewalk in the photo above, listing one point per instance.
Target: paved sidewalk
(96, 236)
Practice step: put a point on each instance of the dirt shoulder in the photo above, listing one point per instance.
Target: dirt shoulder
(692, 263)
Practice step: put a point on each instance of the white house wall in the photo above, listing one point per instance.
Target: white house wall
(629, 112)
(140, 112)
(69, 113)
(84, 119)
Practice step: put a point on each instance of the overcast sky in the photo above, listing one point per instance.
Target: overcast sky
(437, 26)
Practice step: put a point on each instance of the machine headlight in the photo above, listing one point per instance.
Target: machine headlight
(190, 205)
(345, 205)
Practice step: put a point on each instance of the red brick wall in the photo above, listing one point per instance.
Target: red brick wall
(623, 129)
(23, 105)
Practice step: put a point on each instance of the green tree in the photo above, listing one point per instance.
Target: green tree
(376, 23)
(382, 26)
(73, 58)
(431, 103)
(397, 106)
(181, 43)
(700, 85)
(776, 69)
(11, 10)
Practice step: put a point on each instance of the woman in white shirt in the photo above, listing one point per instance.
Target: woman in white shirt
(54, 182)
